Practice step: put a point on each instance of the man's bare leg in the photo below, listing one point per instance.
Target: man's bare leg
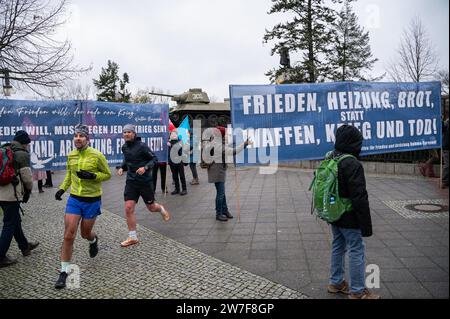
(130, 214)
(130, 206)
(158, 208)
(86, 229)
(71, 222)
(86, 232)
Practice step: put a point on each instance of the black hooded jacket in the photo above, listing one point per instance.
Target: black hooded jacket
(351, 181)
(445, 128)
(137, 154)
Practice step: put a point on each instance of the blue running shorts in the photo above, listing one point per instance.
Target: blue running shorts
(85, 210)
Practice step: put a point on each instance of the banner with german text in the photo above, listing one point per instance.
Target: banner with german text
(51, 124)
(299, 121)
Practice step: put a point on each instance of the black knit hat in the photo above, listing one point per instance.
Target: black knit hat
(22, 137)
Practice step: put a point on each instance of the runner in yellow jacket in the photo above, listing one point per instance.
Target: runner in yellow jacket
(90, 160)
(87, 168)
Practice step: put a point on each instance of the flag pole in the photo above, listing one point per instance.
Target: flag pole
(165, 183)
(237, 194)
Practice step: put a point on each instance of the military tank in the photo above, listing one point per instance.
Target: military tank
(195, 104)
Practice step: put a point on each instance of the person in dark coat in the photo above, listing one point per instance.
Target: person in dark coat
(217, 172)
(11, 195)
(176, 165)
(354, 224)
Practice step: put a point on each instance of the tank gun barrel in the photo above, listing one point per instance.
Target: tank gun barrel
(191, 96)
(161, 94)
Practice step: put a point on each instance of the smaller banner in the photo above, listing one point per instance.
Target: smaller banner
(51, 124)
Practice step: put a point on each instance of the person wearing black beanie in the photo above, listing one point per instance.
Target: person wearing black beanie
(22, 137)
(11, 195)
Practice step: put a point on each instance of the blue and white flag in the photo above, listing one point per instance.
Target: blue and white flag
(184, 131)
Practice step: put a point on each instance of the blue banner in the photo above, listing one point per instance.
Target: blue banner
(50, 125)
(298, 121)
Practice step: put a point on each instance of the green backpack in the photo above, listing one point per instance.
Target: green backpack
(326, 201)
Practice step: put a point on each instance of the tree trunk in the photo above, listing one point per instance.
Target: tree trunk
(312, 76)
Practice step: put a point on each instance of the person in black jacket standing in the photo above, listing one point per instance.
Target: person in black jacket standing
(353, 225)
(177, 166)
(138, 162)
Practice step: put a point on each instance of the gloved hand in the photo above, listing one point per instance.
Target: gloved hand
(26, 196)
(86, 175)
(59, 194)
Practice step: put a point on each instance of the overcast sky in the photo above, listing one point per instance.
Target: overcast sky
(175, 45)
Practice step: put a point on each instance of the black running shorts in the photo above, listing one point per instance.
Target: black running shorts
(134, 191)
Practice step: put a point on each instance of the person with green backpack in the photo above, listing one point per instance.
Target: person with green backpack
(340, 198)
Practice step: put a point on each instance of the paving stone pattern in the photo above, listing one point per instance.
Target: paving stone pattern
(276, 248)
(158, 267)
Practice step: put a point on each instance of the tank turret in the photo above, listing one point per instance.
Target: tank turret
(191, 96)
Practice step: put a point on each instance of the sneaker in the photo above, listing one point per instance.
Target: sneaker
(6, 261)
(165, 213)
(175, 192)
(342, 288)
(222, 218)
(41, 191)
(61, 282)
(183, 192)
(366, 294)
(130, 241)
(93, 248)
(228, 215)
(195, 181)
(31, 246)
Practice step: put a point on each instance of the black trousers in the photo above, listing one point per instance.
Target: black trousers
(178, 175)
(163, 170)
(48, 180)
(12, 227)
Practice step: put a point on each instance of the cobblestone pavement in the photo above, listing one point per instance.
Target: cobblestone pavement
(158, 267)
(275, 238)
(278, 238)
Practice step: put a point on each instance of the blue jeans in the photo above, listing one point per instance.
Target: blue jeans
(351, 239)
(221, 200)
(12, 228)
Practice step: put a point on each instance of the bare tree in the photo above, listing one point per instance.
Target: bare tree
(143, 96)
(442, 76)
(29, 50)
(417, 60)
(214, 99)
(71, 91)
